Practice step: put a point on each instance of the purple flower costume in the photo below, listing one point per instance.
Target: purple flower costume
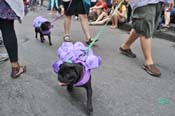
(76, 54)
(37, 23)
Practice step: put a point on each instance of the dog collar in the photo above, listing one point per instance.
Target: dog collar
(45, 32)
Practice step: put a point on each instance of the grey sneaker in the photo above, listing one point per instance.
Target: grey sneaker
(152, 70)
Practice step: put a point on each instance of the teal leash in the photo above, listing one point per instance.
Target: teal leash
(102, 29)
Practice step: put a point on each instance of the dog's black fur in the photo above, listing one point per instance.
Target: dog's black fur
(71, 73)
(45, 26)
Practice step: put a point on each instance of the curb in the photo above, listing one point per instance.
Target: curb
(168, 35)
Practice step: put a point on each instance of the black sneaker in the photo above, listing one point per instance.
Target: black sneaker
(127, 52)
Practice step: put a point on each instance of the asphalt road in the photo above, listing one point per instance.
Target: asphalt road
(120, 86)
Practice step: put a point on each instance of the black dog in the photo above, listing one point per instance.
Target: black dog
(71, 73)
(44, 30)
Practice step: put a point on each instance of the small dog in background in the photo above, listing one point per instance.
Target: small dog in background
(43, 27)
(74, 66)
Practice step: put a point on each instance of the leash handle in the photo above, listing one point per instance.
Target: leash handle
(58, 17)
(102, 29)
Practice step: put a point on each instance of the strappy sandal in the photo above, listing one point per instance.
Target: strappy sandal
(17, 71)
(66, 38)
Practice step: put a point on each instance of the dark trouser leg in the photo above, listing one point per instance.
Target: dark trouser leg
(9, 38)
(42, 2)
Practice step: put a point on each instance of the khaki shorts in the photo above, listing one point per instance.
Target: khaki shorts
(146, 19)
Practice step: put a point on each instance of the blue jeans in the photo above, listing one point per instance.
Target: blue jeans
(173, 12)
(54, 3)
(49, 4)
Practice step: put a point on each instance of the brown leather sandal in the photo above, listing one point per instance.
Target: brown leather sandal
(17, 71)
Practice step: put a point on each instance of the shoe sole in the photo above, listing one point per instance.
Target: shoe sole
(156, 75)
(5, 59)
(124, 53)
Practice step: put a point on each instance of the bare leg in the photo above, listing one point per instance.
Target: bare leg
(166, 17)
(103, 14)
(146, 48)
(67, 22)
(98, 11)
(112, 20)
(132, 37)
(85, 26)
(100, 22)
(115, 20)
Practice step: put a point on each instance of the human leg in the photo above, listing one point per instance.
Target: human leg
(115, 21)
(41, 2)
(52, 6)
(125, 47)
(9, 39)
(32, 4)
(56, 4)
(85, 26)
(166, 18)
(10, 43)
(67, 23)
(144, 30)
(131, 39)
(148, 65)
(101, 16)
(49, 5)
(146, 48)
(101, 22)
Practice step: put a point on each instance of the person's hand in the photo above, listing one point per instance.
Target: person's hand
(62, 10)
(171, 6)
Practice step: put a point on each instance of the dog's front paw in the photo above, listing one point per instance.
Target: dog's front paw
(42, 41)
(89, 110)
(50, 44)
